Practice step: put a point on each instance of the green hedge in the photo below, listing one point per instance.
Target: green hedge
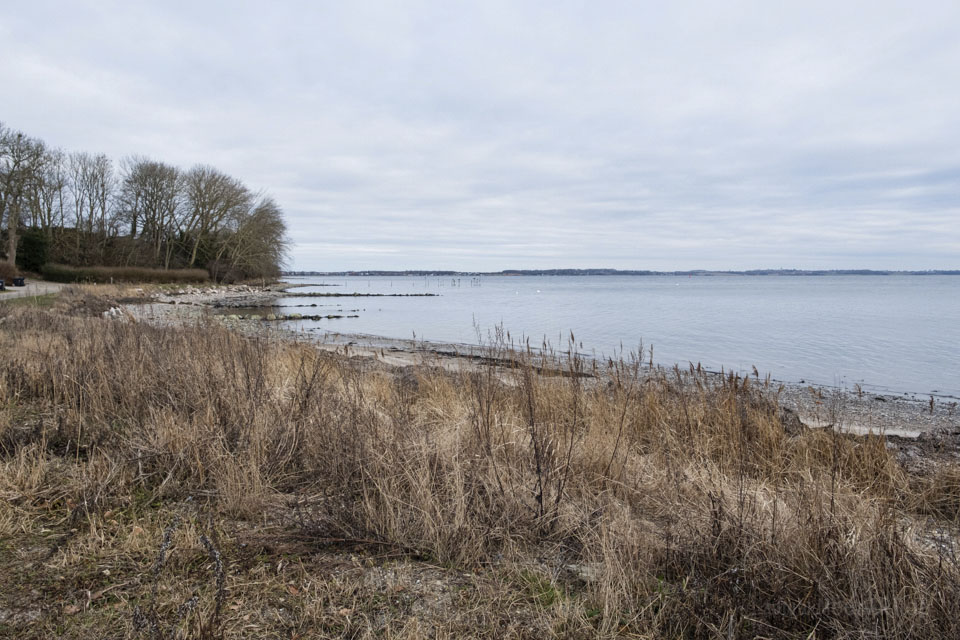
(64, 273)
(32, 250)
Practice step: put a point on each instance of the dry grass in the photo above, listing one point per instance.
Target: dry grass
(192, 482)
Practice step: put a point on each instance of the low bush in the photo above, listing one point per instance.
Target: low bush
(65, 273)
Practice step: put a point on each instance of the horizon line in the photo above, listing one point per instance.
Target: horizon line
(610, 271)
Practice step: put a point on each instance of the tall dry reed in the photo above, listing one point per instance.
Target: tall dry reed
(659, 503)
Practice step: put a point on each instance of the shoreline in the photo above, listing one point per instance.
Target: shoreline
(888, 413)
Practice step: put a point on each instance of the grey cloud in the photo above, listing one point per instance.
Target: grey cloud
(531, 134)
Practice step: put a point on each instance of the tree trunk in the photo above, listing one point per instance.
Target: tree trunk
(193, 254)
(13, 222)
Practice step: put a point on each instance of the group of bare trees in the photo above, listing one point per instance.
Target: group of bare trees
(88, 210)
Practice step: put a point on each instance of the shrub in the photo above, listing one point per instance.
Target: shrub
(223, 272)
(32, 250)
(65, 273)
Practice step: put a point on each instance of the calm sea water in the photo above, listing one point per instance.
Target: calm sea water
(887, 333)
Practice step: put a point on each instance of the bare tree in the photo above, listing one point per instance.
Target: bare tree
(92, 183)
(256, 244)
(76, 178)
(211, 199)
(20, 161)
(201, 217)
(48, 192)
(129, 198)
(151, 195)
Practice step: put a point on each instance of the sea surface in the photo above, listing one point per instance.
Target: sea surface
(890, 334)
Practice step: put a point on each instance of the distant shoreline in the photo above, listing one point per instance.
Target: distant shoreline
(618, 272)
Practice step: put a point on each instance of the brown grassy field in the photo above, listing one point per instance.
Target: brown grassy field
(193, 482)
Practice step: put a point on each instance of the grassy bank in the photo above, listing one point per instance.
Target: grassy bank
(189, 480)
(43, 301)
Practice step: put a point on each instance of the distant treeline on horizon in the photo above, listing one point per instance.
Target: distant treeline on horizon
(618, 272)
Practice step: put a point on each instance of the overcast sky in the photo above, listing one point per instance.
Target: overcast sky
(491, 135)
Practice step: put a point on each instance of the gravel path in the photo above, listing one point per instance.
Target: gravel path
(31, 289)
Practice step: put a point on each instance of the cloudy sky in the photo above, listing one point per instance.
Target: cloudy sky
(491, 135)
